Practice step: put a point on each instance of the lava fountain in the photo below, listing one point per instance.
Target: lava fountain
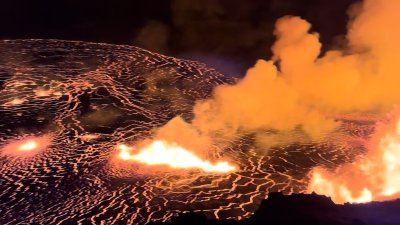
(374, 177)
(29, 145)
(26, 147)
(160, 152)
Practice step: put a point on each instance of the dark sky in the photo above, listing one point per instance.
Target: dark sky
(228, 34)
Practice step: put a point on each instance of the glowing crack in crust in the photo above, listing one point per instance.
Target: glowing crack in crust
(160, 152)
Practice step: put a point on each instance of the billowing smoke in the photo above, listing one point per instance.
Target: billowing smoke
(177, 130)
(299, 90)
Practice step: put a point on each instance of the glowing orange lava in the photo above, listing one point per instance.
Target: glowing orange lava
(374, 177)
(89, 137)
(14, 102)
(162, 153)
(42, 92)
(27, 146)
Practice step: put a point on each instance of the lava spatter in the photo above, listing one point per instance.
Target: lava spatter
(160, 152)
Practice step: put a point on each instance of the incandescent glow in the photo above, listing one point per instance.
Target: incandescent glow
(172, 155)
(89, 137)
(42, 93)
(14, 102)
(28, 146)
(375, 177)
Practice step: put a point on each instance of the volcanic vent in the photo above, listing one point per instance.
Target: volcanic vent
(88, 98)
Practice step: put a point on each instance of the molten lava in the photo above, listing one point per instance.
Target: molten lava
(89, 137)
(14, 102)
(373, 177)
(30, 145)
(163, 153)
(26, 147)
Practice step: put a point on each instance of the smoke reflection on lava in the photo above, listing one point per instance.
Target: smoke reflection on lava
(27, 146)
(160, 152)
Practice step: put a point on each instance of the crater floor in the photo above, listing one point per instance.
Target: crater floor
(88, 97)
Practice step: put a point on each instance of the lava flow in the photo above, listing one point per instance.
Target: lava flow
(163, 153)
(374, 177)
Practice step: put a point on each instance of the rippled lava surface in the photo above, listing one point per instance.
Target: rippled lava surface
(89, 97)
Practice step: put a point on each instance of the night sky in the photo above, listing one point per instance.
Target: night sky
(227, 34)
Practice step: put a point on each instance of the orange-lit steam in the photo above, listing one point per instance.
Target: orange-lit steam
(161, 152)
(306, 91)
(26, 147)
(300, 90)
(375, 176)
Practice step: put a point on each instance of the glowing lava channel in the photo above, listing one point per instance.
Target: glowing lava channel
(163, 153)
(373, 178)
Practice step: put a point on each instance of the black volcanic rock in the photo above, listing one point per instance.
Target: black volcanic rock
(295, 209)
(307, 209)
